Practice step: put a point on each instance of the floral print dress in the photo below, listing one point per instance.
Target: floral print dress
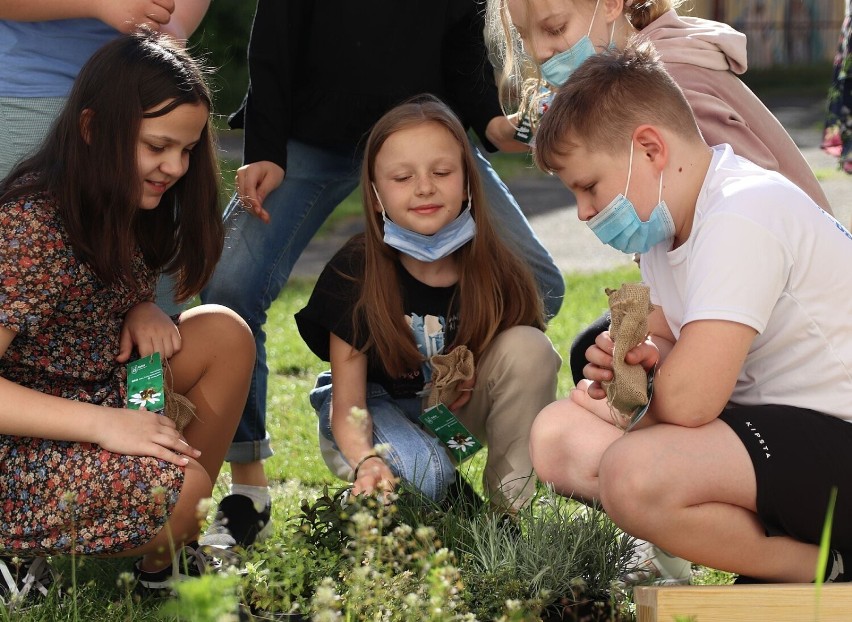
(837, 138)
(62, 497)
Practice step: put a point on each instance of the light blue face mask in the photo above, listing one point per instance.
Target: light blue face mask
(429, 248)
(558, 68)
(619, 225)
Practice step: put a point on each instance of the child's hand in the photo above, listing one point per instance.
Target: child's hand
(143, 433)
(148, 328)
(599, 367)
(254, 183)
(128, 15)
(374, 476)
(466, 388)
(594, 405)
(646, 354)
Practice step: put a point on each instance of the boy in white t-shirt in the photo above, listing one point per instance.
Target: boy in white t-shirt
(750, 424)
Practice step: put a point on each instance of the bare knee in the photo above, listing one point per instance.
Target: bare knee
(628, 488)
(549, 443)
(221, 328)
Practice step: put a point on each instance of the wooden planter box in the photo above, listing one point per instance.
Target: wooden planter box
(793, 602)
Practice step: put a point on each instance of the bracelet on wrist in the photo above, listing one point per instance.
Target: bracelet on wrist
(361, 462)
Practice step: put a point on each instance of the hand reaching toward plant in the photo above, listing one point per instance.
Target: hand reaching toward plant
(372, 475)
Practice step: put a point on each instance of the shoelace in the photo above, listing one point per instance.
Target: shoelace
(194, 557)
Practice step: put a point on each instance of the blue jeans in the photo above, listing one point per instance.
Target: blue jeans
(258, 258)
(411, 453)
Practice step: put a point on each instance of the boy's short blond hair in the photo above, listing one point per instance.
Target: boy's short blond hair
(606, 99)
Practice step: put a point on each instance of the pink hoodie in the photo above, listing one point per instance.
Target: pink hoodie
(703, 57)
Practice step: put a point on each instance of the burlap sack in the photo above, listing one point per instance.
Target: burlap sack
(628, 390)
(449, 371)
(178, 407)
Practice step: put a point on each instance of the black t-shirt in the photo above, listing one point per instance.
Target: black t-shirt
(331, 308)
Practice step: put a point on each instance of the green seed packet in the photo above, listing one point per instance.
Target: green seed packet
(450, 431)
(145, 384)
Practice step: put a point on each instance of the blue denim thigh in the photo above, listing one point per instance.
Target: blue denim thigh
(412, 453)
(515, 229)
(258, 257)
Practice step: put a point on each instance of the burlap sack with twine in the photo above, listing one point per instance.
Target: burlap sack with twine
(449, 371)
(178, 407)
(629, 307)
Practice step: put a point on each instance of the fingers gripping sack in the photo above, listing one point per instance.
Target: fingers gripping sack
(628, 390)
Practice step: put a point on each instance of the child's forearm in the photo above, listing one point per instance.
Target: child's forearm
(26, 412)
(352, 431)
(40, 10)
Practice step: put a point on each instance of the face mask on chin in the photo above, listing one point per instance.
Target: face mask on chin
(429, 248)
(619, 226)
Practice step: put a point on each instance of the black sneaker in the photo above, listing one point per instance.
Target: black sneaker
(462, 496)
(237, 523)
(24, 580)
(189, 562)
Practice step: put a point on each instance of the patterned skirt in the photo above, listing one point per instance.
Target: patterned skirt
(61, 497)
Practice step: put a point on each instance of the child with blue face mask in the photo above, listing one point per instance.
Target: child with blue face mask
(703, 57)
(749, 430)
(541, 42)
(428, 276)
(620, 226)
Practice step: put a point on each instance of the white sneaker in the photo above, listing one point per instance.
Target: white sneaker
(651, 565)
(24, 579)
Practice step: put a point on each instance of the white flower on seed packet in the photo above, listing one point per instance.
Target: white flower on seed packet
(460, 442)
(145, 396)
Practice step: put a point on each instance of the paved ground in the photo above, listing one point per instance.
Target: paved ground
(551, 209)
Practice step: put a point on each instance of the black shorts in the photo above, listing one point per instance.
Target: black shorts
(798, 456)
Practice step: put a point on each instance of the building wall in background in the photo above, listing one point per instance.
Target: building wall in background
(780, 32)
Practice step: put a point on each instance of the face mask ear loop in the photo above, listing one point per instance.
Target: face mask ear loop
(630, 170)
(660, 197)
(594, 15)
(612, 33)
(379, 199)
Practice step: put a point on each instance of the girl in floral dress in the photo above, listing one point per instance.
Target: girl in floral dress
(123, 188)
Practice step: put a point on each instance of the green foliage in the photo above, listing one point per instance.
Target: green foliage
(501, 586)
(282, 574)
(592, 551)
(398, 573)
(222, 39)
(209, 598)
(326, 523)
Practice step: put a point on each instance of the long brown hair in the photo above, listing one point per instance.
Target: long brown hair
(95, 180)
(496, 290)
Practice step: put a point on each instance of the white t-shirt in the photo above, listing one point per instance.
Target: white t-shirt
(763, 254)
